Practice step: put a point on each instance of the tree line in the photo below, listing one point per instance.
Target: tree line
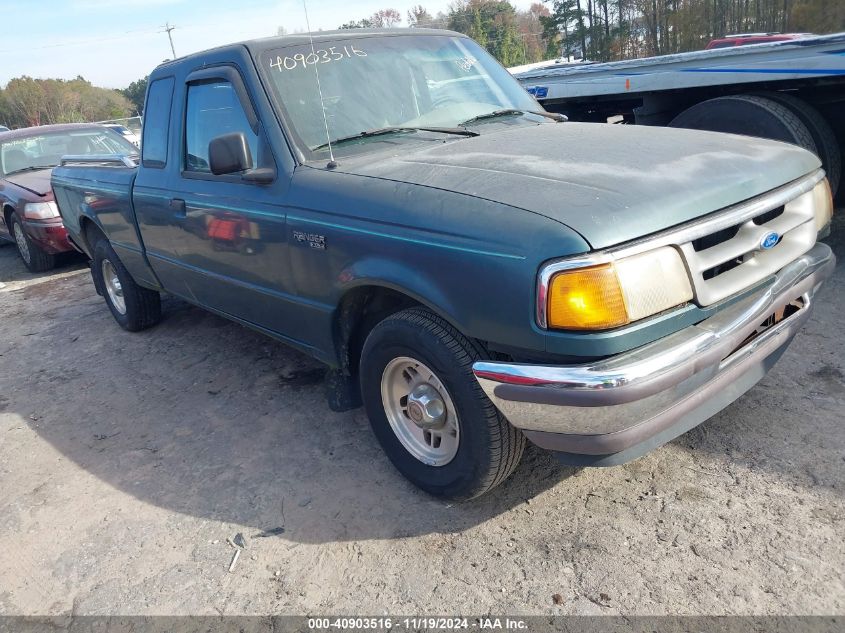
(26, 102)
(606, 30)
(513, 36)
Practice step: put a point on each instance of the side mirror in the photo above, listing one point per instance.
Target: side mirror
(229, 154)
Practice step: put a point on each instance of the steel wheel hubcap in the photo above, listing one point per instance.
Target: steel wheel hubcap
(113, 287)
(20, 240)
(420, 411)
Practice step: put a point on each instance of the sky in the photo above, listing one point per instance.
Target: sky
(112, 43)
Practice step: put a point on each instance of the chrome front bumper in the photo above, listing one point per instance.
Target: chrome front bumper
(618, 408)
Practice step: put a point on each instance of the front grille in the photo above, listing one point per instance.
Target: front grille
(732, 257)
(769, 215)
(721, 268)
(724, 235)
(732, 250)
(714, 239)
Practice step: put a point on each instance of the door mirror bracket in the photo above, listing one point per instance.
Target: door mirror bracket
(260, 175)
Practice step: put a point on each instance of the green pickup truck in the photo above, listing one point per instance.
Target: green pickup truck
(472, 269)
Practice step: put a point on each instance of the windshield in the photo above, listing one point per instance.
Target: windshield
(46, 149)
(371, 83)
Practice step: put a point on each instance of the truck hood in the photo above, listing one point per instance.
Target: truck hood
(37, 182)
(610, 183)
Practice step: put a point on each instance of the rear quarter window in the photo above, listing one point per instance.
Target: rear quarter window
(157, 123)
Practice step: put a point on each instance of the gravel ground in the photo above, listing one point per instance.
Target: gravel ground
(128, 460)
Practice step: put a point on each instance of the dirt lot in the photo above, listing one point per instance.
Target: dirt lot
(126, 461)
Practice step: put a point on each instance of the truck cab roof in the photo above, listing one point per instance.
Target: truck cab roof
(280, 41)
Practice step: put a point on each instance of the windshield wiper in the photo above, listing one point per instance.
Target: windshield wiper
(395, 129)
(30, 168)
(554, 116)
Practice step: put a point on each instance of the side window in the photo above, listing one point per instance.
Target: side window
(213, 109)
(157, 123)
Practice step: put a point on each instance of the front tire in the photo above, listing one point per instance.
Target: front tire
(429, 413)
(34, 258)
(133, 307)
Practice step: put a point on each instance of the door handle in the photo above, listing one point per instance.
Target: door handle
(177, 205)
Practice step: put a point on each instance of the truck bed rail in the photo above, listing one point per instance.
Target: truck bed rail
(100, 160)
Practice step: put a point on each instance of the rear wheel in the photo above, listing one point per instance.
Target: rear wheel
(132, 306)
(823, 135)
(749, 115)
(427, 410)
(34, 258)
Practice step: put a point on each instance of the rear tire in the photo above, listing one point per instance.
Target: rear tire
(133, 307)
(823, 135)
(478, 448)
(748, 115)
(34, 258)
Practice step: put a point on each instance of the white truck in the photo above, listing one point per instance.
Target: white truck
(792, 91)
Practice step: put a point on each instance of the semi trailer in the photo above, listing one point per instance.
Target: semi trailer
(791, 91)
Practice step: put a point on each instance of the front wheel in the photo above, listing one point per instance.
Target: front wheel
(132, 306)
(34, 257)
(427, 410)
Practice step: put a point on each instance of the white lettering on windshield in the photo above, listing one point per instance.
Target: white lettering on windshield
(466, 63)
(319, 56)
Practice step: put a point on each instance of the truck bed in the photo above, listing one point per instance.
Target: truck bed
(97, 192)
(813, 57)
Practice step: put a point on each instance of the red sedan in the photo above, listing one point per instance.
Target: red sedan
(29, 215)
(744, 39)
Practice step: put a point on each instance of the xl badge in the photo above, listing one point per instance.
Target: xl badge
(769, 240)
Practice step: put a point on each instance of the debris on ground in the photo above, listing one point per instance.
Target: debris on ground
(276, 531)
(234, 560)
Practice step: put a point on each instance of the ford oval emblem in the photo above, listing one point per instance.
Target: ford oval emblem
(769, 240)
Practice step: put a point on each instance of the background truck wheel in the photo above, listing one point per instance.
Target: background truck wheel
(823, 135)
(133, 307)
(35, 259)
(429, 413)
(749, 115)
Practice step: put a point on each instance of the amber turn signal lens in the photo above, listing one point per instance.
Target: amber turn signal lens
(586, 299)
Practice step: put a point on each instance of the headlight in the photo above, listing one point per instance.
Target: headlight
(822, 204)
(40, 211)
(613, 293)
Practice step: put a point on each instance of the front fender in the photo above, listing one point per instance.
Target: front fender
(471, 260)
(401, 277)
